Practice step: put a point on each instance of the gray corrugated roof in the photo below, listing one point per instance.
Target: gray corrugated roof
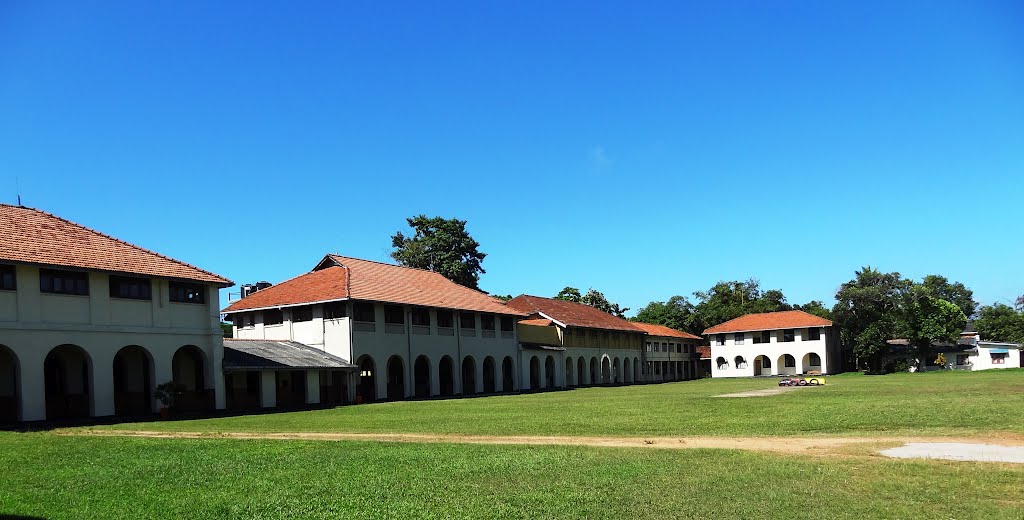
(253, 354)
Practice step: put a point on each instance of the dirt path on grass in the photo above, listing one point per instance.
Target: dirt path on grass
(813, 446)
(767, 391)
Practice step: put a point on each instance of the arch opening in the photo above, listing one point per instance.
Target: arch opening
(446, 376)
(421, 375)
(188, 371)
(396, 378)
(534, 373)
(133, 381)
(367, 389)
(489, 376)
(67, 372)
(549, 372)
(10, 372)
(468, 376)
(507, 378)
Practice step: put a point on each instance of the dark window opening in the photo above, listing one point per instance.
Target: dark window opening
(130, 288)
(720, 340)
(273, 317)
(445, 319)
(487, 321)
(244, 320)
(394, 315)
(63, 282)
(187, 292)
(363, 311)
(506, 323)
(8, 282)
(304, 313)
(813, 333)
(421, 317)
(335, 310)
(467, 320)
(788, 335)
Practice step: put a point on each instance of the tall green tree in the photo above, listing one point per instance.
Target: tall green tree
(954, 292)
(926, 320)
(597, 300)
(593, 298)
(569, 294)
(441, 245)
(815, 307)
(728, 300)
(677, 313)
(867, 312)
(1000, 322)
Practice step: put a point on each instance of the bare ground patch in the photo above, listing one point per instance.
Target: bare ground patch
(766, 391)
(810, 446)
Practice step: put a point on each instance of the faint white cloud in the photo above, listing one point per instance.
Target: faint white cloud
(599, 158)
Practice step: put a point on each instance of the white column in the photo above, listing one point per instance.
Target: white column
(102, 391)
(33, 390)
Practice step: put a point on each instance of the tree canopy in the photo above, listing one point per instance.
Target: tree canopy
(729, 300)
(593, 298)
(1000, 322)
(440, 245)
(677, 313)
(875, 307)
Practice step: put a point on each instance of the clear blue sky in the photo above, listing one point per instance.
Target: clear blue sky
(643, 150)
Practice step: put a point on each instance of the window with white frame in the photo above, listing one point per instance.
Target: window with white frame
(737, 338)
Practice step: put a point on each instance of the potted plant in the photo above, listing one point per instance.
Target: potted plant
(166, 393)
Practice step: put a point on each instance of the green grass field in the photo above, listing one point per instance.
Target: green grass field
(77, 477)
(936, 403)
(50, 475)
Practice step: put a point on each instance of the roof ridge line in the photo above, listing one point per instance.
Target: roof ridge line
(129, 244)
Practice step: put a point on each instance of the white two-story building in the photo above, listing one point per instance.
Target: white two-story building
(89, 324)
(404, 332)
(774, 343)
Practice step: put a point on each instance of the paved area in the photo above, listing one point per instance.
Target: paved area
(958, 451)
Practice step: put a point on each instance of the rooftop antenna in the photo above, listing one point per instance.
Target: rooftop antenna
(17, 188)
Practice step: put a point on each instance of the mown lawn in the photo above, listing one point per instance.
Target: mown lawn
(52, 476)
(937, 403)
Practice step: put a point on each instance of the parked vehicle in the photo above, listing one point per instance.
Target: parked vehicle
(802, 381)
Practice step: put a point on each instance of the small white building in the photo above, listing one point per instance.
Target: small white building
(405, 332)
(89, 324)
(671, 354)
(774, 343)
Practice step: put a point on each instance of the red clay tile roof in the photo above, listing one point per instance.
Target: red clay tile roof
(661, 330)
(570, 313)
(704, 351)
(339, 277)
(770, 321)
(327, 284)
(35, 237)
(537, 322)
